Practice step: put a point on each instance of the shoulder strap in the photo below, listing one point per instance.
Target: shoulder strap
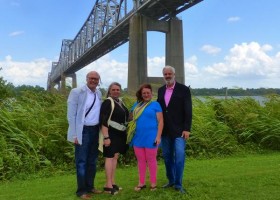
(139, 109)
(112, 106)
(91, 105)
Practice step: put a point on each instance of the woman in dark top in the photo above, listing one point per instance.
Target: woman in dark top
(114, 134)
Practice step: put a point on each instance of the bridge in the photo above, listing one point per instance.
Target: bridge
(112, 23)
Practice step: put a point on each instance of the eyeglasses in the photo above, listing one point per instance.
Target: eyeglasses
(93, 78)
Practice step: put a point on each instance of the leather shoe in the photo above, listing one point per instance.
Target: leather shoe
(95, 191)
(167, 185)
(85, 196)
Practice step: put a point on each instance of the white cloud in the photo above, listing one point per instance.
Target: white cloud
(233, 19)
(191, 66)
(243, 59)
(247, 65)
(109, 69)
(25, 73)
(16, 33)
(210, 49)
(267, 47)
(155, 66)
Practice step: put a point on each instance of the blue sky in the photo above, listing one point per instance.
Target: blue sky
(229, 43)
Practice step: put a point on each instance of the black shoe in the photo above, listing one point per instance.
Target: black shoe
(181, 190)
(111, 191)
(167, 185)
(116, 187)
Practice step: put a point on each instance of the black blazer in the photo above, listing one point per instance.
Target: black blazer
(178, 114)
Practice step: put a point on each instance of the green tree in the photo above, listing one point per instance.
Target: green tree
(23, 88)
(6, 89)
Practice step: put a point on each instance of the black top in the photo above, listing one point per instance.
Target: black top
(118, 138)
(178, 114)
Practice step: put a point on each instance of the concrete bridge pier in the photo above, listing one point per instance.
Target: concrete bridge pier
(137, 58)
(175, 49)
(62, 88)
(74, 80)
(137, 61)
(50, 85)
(61, 85)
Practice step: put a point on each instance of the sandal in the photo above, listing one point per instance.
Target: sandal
(111, 191)
(116, 187)
(138, 188)
(153, 188)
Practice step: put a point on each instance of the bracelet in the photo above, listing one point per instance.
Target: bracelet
(106, 138)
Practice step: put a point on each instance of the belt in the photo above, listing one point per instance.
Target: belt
(91, 126)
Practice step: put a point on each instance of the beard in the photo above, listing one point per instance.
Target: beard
(170, 81)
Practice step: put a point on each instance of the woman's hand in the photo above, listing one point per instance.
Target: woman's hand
(157, 141)
(107, 142)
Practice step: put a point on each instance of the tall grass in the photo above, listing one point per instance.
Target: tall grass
(32, 134)
(33, 129)
(209, 135)
(250, 121)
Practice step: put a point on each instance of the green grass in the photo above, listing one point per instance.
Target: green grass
(247, 177)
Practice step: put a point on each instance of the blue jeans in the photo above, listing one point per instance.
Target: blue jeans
(86, 158)
(173, 150)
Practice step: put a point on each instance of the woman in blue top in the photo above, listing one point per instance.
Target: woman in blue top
(147, 137)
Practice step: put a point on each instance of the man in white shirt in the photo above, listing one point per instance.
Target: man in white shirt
(83, 108)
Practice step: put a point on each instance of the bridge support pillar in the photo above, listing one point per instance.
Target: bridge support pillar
(175, 50)
(51, 87)
(137, 61)
(63, 84)
(74, 80)
(59, 86)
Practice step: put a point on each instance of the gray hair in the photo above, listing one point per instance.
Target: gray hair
(168, 67)
(111, 85)
(93, 72)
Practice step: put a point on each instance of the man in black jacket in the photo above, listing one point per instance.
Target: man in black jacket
(176, 103)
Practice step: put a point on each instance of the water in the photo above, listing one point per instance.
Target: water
(260, 99)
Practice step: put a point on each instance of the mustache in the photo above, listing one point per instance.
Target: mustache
(169, 80)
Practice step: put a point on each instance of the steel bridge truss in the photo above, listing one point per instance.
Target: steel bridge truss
(106, 28)
(105, 15)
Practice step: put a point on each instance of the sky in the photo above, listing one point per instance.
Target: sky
(227, 43)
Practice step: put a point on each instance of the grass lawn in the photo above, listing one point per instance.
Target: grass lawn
(245, 177)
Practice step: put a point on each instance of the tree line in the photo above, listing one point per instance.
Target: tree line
(234, 91)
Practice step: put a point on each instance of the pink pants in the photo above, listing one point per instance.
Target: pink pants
(146, 156)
